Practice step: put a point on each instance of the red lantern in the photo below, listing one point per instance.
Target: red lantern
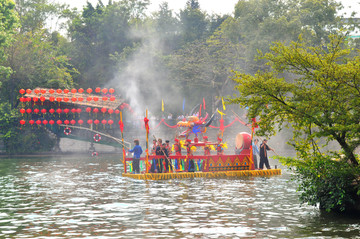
(59, 111)
(78, 110)
(111, 111)
(110, 122)
(52, 98)
(52, 111)
(59, 122)
(80, 122)
(38, 122)
(81, 90)
(103, 110)
(104, 98)
(22, 99)
(73, 91)
(66, 122)
(73, 122)
(104, 90)
(42, 98)
(28, 91)
(36, 111)
(73, 110)
(35, 99)
(28, 99)
(80, 99)
(111, 90)
(89, 121)
(66, 91)
(104, 122)
(43, 111)
(96, 110)
(22, 91)
(22, 122)
(96, 122)
(98, 89)
(73, 99)
(59, 91)
(51, 91)
(117, 111)
(89, 91)
(96, 98)
(51, 122)
(112, 98)
(88, 109)
(66, 99)
(22, 111)
(28, 111)
(66, 111)
(31, 122)
(37, 91)
(45, 122)
(59, 99)
(89, 99)
(43, 91)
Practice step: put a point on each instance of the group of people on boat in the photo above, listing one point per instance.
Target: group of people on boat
(163, 164)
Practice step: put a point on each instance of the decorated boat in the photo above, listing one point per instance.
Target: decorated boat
(197, 161)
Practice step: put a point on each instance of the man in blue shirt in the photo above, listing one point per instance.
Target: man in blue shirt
(255, 152)
(137, 150)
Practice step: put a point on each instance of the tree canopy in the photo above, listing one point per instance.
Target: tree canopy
(320, 103)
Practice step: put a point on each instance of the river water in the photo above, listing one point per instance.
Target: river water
(80, 197)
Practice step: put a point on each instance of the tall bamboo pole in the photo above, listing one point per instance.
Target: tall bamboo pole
(122, 140)
(147, 145)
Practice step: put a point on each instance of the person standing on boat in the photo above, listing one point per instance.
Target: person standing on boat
(206, 146)
(219, 147)
(177, 149)
(154, 160)
(255, 152)
(167, 160)
(137, 150)
(191, 165)
(168, 146)
(263, 155)
(158, 152)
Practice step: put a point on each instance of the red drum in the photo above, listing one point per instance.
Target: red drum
(243, 140)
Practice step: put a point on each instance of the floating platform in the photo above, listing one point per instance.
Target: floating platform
(221, 174)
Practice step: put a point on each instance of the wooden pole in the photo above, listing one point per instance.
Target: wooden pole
(122, 140)
(147, 146)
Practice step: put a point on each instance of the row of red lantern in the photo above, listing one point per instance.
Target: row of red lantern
(66, 111)
(74, 91)
(67, 122)
(66, 99)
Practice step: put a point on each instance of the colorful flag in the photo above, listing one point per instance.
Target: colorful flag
(222, 99)
(162, 105)
(204, 103)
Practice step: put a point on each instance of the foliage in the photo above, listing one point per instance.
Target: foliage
(8, 23)
(320, 102)
(18, 139)
(334, 184)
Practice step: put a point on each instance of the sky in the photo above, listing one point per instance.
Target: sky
(210, 6)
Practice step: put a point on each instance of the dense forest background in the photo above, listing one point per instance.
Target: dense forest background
(146, 57)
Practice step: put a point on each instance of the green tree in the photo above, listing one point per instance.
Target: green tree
(8, 24)
(321, 104)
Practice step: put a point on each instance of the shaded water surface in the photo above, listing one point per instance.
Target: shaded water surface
(88, 198)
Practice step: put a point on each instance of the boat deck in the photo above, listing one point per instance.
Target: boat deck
(220, 174)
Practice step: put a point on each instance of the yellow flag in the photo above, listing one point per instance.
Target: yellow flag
(221, 112)
(222, 99)
(162, 105)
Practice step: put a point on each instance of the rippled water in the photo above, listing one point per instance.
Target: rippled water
(88, 198)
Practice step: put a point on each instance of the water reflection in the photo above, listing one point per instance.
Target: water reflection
(77, 198)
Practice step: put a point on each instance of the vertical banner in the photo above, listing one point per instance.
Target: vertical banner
(162, 105)
(204, 103)
(147, 128)
(223, 103)
(184, 105)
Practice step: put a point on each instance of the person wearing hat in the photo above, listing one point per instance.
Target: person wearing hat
(154, 161)
(190, 164)
(168, 146)
(219, 147)
(137, 150)
(177, 149)
(263, 155)
(206, 146)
